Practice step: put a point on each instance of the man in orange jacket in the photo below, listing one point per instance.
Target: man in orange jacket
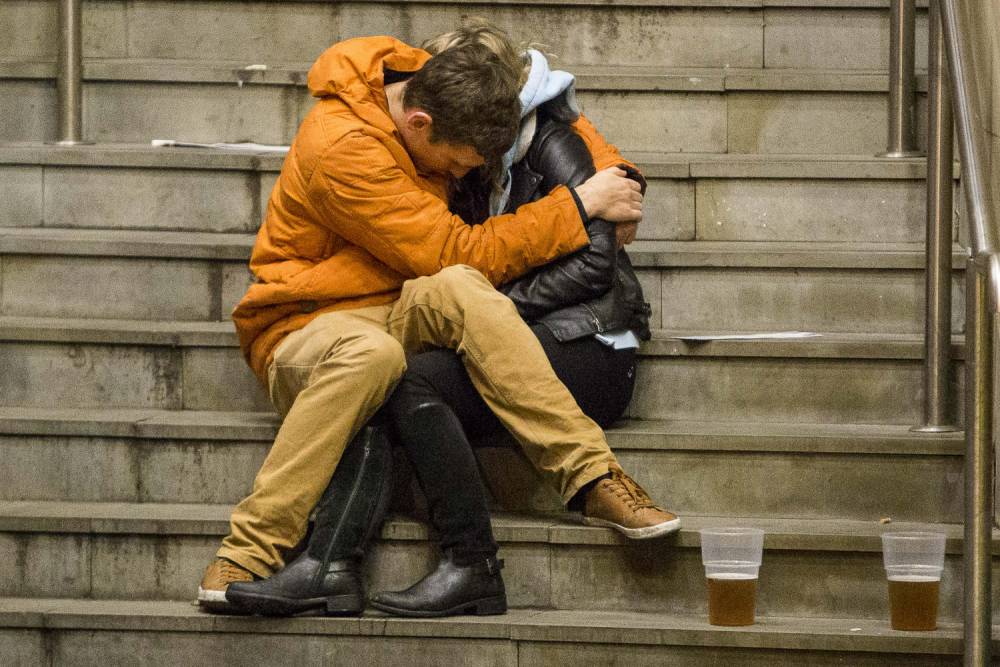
(359, 261)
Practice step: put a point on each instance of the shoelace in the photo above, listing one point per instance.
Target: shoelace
(626, 488)
(232, 572)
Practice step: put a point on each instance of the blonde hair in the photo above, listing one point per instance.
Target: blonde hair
(481, 31)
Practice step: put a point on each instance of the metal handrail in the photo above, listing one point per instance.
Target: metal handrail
(901, 141)
(982, 305)
(70, 74)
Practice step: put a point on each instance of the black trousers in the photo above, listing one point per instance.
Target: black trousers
(600, 378)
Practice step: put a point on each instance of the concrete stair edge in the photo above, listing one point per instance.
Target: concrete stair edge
(653, 164)
(665, 342)
(194, 519)
(586, 627)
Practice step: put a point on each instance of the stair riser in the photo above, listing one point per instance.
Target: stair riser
(865, 487)
(652, 577)
(826, 391)
(695, 299)
(269, 32)
(736, 122)
(704, 209)
(104, 647)
(698, 388)
(827, 300)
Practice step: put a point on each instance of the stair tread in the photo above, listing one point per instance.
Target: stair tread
(664, 342)
(635, 628)
(654, 164)
(627, 434)
(644, 254)
(588, 77)
(783, 533)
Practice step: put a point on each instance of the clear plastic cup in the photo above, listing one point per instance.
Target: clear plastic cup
(913, 565)
(732, 558)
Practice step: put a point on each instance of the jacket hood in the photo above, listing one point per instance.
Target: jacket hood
(354, 72)
(553, 89)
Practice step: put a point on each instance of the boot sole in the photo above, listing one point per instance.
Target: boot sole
(645, 533)
(215, 602)
(494, 606)
(265, 605)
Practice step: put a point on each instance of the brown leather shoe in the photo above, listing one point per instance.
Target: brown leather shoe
(622, 504)
(218, 575)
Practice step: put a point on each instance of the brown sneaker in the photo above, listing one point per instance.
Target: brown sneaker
(622, 504)
(218, 575)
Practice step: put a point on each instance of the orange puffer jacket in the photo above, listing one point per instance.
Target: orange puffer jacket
(350, 218)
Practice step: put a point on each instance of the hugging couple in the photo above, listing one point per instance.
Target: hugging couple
(441, 259)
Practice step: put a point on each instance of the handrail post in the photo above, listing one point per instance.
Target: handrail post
(937, 324)
(902, 81)
(70, 76)
(978, 463)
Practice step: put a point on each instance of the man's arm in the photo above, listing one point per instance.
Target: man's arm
(362, 195)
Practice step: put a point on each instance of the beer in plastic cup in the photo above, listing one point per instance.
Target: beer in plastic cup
(732, 558)
(913, 565)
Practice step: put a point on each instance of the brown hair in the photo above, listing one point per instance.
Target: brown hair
(471, 97)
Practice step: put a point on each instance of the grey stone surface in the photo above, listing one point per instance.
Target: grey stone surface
(99, 649)
(827, 300)
(655, 576)
(652, 290)
(104, 287)
(795, 390)
(28, 29)
(267, 183)
(218, 379)
(811, 210)
(833, 38)
(236, 278)
(148, 567)
(672, 122)
(150, 199)
(806, 122)
(23, 647)
(28, 111)
(199, 472)
(668, 211)
(21, 193)
(56, 468)
(548, 653)
(81, 375)
(140, 112)
(44, 565)
(904, 488)
(665, 37)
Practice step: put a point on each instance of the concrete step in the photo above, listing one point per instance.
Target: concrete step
(691, 285)
(815, 569)
(861, 472)
(844, 34)
(749, 121)
(720, 197)
(850, 378)
(99, 632)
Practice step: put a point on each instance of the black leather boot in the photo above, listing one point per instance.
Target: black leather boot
(327, 575)
(450, 590)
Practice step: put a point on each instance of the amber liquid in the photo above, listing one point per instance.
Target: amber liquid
(913, 603)
(731, 600)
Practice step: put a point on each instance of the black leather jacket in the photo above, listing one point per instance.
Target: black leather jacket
(590, 291)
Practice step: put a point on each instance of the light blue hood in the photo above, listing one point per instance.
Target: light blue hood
(545, 86)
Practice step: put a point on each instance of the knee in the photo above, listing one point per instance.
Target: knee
(458, 280)
(376, 354)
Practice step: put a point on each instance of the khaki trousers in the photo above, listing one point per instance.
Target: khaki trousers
(330, 377)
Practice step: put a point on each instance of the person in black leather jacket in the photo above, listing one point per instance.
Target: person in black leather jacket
(588, 312)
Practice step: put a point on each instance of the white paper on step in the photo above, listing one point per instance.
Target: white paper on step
(761, 335)
(243, 147)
